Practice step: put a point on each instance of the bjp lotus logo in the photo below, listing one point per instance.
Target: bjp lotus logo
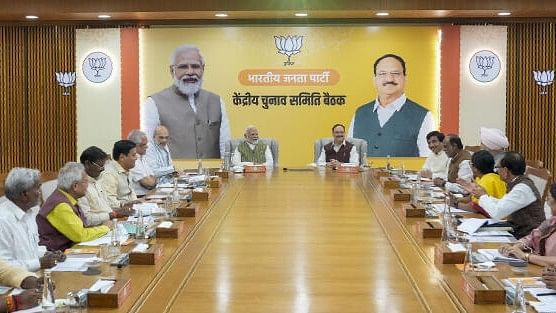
(544, 79)
(289, 46)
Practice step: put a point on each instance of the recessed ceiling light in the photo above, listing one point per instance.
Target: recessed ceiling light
(382, 14)
(104, 16)
(504, 13)
(301, 14)
(221, 15)
(31, 17)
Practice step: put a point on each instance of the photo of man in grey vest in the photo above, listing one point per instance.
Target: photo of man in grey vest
(392, 124)
(196, 118)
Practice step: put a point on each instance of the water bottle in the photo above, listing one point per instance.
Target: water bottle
(114, 239)
(388, 165)
(468, 263)
(199, 166)
(446, 224)
(519, 298)
(48, 303)
(140, 227)
(175, 191)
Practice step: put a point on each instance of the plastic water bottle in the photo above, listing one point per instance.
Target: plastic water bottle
(388, 165)
(140, 227)
(48, 302)
(519, 298)
(468, 263)
(199, 166)
(114, 239)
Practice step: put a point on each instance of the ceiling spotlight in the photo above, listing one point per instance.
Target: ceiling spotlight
(104, 16)
(31, 17)
(221, 15)
(382, 14)
(301, 14)
(504, 13)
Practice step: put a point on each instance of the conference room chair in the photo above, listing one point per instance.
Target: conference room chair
(360, 145)
(231, 146)
(542, 179)
(472, 149)
(535, 163)
(49, 182)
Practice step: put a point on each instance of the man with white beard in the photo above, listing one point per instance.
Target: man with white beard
(196, 118)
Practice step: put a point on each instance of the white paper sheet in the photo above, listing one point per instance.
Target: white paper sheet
(471, 225)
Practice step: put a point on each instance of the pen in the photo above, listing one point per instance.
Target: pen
(546, 294)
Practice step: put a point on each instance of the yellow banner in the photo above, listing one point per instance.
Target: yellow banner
(294, 83)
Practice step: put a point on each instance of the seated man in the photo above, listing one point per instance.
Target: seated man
(19, 237)
(252, 151)
(436, 164)
(522, 204)
(116, 179)
(95, 205)
(494, 141)
(158, 156)
(141, 174)
(458, 167)
(60, 220)
(339, 150)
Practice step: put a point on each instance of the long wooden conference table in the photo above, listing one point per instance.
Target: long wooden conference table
(294, 241)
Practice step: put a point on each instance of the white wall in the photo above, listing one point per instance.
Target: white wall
(481, 104)
(98, 104)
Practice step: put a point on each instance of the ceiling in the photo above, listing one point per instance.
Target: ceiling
(189, 11)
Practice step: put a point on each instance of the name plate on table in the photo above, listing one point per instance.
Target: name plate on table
(381, 172)
(484, 289)
(444, 255)
(214, 182)
(170, 229)
(259, 168)
(430, 229)
(414, 210)
(222, 174)
(401, 194)
(389, 182)
(200, 195)
(187, 210)
(344, 168)
(113, 298)
(147, 257)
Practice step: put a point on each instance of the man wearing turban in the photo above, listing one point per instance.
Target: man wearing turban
(494, 141)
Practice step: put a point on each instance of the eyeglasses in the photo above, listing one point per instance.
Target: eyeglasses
(183, 67)
(100, 168)
(383, 75)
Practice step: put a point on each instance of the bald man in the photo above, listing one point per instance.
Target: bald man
(252, 150)
(158, 155)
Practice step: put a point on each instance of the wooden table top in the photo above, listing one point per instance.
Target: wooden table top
(315, 241)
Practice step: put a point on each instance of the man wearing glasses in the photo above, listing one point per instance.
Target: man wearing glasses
(392, 124)
(94, 204)
(196, 118)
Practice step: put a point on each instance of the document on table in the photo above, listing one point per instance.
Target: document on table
(73, 265)
(439, 208)
(102, 286)
(148, 208)
(471, 225)
(106, 239)
(495, 256)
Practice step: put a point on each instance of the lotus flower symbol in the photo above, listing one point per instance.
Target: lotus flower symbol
(66, 80)
(544, 79)
(289, 46)
(97, 64)
(484, 63)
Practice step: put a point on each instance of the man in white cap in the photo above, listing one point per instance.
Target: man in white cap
(494, 141)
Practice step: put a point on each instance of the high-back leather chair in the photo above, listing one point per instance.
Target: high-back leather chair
(542, 178)
(231, 146)
(360, 145)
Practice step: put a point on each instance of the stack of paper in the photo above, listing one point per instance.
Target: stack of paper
(73, 265)
(495, 256)
(102, 285)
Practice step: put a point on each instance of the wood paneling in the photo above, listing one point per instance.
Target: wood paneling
(530, 119)
(37, 121)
